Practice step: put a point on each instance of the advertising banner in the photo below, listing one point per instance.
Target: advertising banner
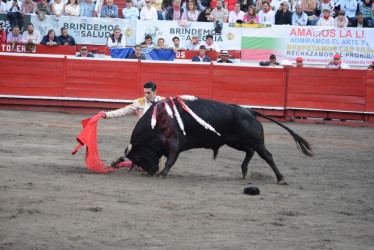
(6, 23)
(314, 44)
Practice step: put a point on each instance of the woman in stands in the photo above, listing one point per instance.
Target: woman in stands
(204, 15)
(366, 7)
(191, 14)
(73, 8)
(251, 16)
(58, 8)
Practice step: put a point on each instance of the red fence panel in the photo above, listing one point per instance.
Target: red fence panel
(370, 91)
(326, 89)
(32, 76)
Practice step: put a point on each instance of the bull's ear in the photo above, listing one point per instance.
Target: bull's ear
(128, 149)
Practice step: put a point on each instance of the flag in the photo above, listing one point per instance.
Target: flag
(148, 53)
(121, 53)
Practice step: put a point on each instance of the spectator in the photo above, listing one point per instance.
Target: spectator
(309, 8)
(14, 36)
(224, 57)
(14, 14)
(176, 45)
(371, 66)
(110, 10)
(116, 40)
(65, 39)
(160, 44)
(251, 16)
(176, 12)
(201, 57)
(50, 39)
(299, 62)
(194, 43)
(130, 12)
(266, 15)
(366, 7)
(31, 36)
(230, 5)
(42, 9)
(360, 21)
(147, 42)
(137, 54)
(350, 7)
(259, 5)
(294, 3)
(213, 3)
(341, 21)
(166, 4)
(210, 45)
(326, 20)
(219, 13)
(72, 8)
(149, 12)
(2, 7)
(236, 14)
(157, 4)
(58, 8)
(28, 7)
(84, 52)
(244, 4)
(191, 14)
(283, 15)
(2, 34)
(204, 15)
(299, 17)
(139, 4)
(275, 5)
(272, 61)
(337, 63)
(323, 4)
(87, 8)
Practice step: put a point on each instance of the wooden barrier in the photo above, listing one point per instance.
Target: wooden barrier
(83, 84)
(39, 49)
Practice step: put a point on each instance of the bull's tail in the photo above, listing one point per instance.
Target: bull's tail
(301, 143)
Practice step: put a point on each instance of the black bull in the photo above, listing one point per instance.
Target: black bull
(237, 126)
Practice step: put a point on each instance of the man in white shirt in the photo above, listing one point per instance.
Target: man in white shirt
(350, 7)
(14, 13)
(148, 12)
(210, 45)
(337, 63)
(266, 15)
(31, 36)
(2, 7)
(237, 14)
(116, 40)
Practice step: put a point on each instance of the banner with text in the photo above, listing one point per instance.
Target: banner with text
(313, 44)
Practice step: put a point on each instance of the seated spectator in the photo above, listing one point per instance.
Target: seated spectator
(157, 4)
(147, 42)
(366, 7)
(275, 5)
(201, 56)
(204, 15)
(175, 12)
(110, 10)
(139, 4)
(130, 12)
(236, 14)
(341, 21)
(299, 17)
(87, 8)
(272, 61)
(31, 36)
(84, 52)
(309, 8)
(299, 62)
(50, 39)
(149, 12)
(2, 34)
(266, 15)
(371, 66)
(165, 5)
(65, 39)
(2, 7)
(14, 14)
(283, 15)
(210, 45)
(337, 63)
(219, 13)
(224, 57)
(160, 44)
(251, 15)
(193, 44)
(213, 3)
(326, 20)
(176, 45)
(72, 8)
(191, 14)
(323, 4)
(350, 7)
(28, 7)
(42, 9)
(244, 4)
(230, 5)
(137, 54)
(58, 8)
(360, 21)
(116, 40)
(14, 36)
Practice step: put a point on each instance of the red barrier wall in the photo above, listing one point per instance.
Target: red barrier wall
(282, 92)
(39, 49)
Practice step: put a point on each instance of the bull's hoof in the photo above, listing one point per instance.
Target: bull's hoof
(282, 182)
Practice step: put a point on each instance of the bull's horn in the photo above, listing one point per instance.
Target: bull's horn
(128, 149)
